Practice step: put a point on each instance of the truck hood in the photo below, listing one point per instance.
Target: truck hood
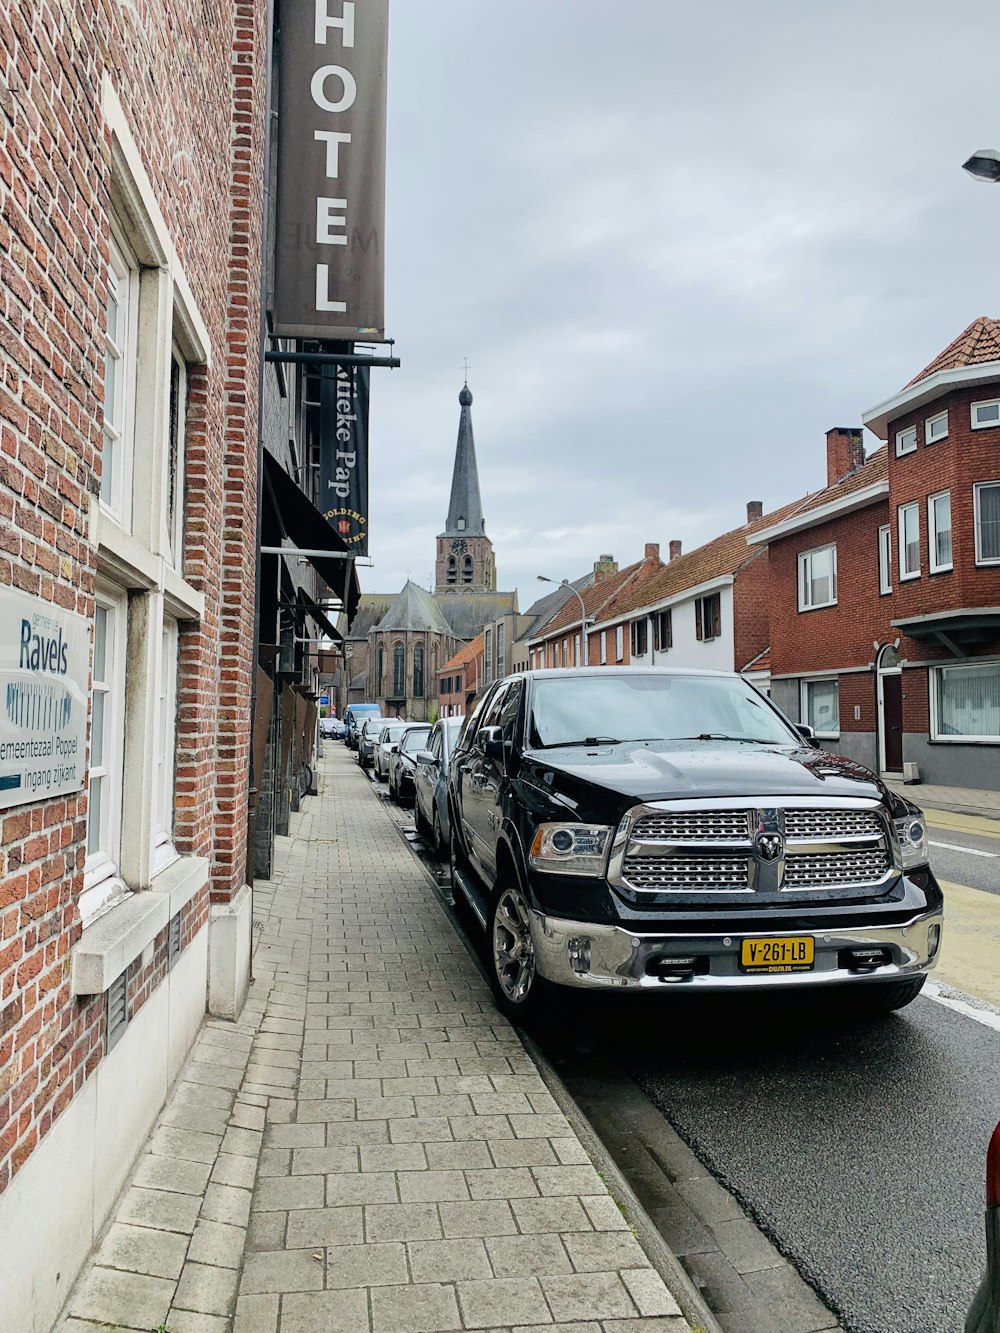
(682, 770)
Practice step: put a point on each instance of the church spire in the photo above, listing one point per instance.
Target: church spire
(465, 511)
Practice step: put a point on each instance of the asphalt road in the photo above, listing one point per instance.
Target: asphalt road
(858, 1149)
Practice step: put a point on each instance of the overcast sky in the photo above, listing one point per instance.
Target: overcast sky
(677, 243)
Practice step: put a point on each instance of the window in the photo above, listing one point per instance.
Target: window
(487, 656)
(986, 414)
(510, 710)
(398, 671)
(452, 574)
(821, 707)
(708, 617)
(965, 702)
(467, 569)
(604, 647)
(885, 559)
(818, 578)
(639, 630)
(939, 532)
(418, 672)
(555, 654)
(909, 541)
(101, 885)
(460, 525)
(987, 497)
(119, 383)
(906, 441)
(501, 650)
(576, 649)
(166, 732)
(380, 671)
(664, 631)
(173, 514)
(619, 643)
(936, 427)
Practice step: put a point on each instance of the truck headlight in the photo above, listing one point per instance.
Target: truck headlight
(570, 849)
(912, 834)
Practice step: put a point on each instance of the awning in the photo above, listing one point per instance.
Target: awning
(318, 614)
(288, 515)
(955, 630)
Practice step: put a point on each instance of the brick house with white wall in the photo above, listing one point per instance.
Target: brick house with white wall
(885, 592)
(558, 642)
(131, 202)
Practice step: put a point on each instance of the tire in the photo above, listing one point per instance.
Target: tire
(510, 957)
(876, 1001)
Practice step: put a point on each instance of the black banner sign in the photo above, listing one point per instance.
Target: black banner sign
(329, 248)
(343, 453)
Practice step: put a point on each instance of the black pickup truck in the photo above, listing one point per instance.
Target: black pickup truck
(642, 830)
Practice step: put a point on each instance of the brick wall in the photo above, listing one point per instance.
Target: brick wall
(751, 609)
(174, 68)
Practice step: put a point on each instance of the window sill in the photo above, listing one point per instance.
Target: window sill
(819, 606)
(942, 569)
(118, 937)
(964, 740)
(909, 578)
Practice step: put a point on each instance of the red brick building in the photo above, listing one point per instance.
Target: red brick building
(885, 590)
(461, 679)
(131, 197)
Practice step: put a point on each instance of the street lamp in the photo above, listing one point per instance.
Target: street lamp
(565, 583)
(984, 165)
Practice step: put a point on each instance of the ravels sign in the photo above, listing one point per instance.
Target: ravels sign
(329, 251)
(44, 674)
(343, 453)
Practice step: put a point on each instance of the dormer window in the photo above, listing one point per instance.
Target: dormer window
(936, 428)
(906, 441)
(460, 524)
(986, 414)
(467, 569)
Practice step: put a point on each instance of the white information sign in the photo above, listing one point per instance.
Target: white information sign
(44, 675)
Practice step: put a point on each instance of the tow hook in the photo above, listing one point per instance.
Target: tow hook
(984, 1314)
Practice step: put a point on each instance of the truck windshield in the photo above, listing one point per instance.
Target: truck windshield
(568, 710)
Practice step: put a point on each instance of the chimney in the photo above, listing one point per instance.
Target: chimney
(675, 549)
(604, 567)
(652, 552)
(755, 510)
(845, 452)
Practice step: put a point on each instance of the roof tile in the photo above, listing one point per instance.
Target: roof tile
(974, 346)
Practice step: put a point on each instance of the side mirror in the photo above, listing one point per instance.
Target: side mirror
(489, 742)
(807, 734)
(425, 757)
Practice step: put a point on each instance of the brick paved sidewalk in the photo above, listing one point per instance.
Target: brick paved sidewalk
(370, 1147)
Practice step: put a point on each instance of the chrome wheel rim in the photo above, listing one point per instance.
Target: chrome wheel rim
(513, 952)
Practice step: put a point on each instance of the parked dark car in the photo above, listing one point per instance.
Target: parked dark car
(368, 733)
(403, 761)
(355, 715)
(430, 783)
(639, 830)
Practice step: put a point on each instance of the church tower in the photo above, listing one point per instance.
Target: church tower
(465, 560)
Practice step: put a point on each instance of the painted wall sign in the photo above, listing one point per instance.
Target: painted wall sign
(44, 685)
(343, 453)
(329, 249)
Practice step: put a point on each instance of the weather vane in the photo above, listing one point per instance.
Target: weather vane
(465, 367)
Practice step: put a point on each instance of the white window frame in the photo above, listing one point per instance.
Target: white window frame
(487, 656)
(985, 425)
(905, 573)
(980, 558)
(885, 559)
(804, 713)
(164, 852)
(932, 534)
(619, 643)
(901, 446)
(806, 578)
(118, 429)
(953, 738)
(932, 433)
(576, 648)
(102, 883)
(604, 647)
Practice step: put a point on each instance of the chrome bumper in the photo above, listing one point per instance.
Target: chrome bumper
(576, 953)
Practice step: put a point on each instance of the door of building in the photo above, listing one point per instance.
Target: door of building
(890, 711)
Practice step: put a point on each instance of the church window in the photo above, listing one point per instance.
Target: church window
(418, 672)
(398, 671)
(380, 673)
(460, 525)
(467, 569)
(452, 569)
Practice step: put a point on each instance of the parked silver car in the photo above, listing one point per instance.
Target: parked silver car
(403, 761)
(430, 785)
(388, 738)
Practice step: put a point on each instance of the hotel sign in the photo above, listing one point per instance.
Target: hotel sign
(329, 246)
(44, 690)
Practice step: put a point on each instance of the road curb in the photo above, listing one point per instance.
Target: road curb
(664, 1261)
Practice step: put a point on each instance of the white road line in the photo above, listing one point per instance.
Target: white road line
(972, 851)
(989, 1017)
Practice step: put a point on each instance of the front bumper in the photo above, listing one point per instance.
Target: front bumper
(602, 957)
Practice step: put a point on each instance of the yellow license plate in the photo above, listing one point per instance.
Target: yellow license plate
(786, 953)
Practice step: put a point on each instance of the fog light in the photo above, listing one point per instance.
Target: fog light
(578, 948)
(933, 939)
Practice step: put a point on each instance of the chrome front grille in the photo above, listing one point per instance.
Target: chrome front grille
(713, 849)
(716, 826)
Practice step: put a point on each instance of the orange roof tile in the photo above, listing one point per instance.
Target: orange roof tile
(597, 599)
(974, 346)
(465, 655)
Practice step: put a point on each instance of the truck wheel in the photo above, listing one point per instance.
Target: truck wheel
(517, 987)
(876, 1001)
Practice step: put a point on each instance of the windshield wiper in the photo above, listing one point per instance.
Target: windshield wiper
(724, 736)
(589, 740)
